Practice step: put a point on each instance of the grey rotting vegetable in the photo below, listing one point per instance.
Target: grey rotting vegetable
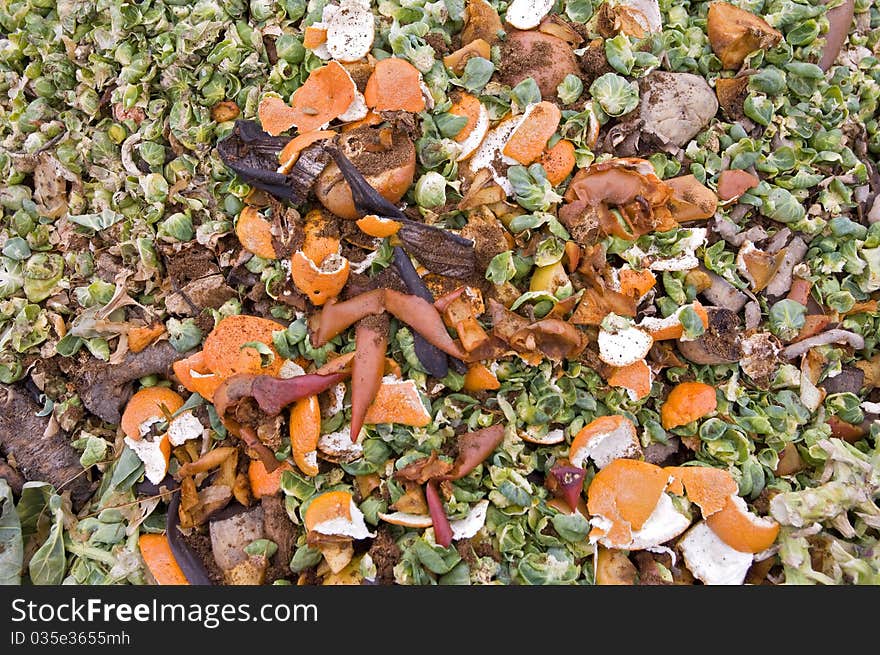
(673, 108)
(753, 315)
(836, 336)
(849, 380)
(230, 535)
(105, 387)
(41, 450)
(723, 294)
(780, 283)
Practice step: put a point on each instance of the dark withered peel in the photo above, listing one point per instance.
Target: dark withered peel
(253, 155)
(432, 358)
(440, 251)
(193, 568)
(366, 199)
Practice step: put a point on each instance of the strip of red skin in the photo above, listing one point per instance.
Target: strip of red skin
(336, 317)
(273, 394)
(424, 318)
(231, 391)
(366, 372)
(419, 314)
(473, 449)
(265, 454)
(442, 529)
(444, 301)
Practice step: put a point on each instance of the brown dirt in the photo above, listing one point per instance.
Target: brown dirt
(438, 43)
(280, 529)
(190, 262)
(593, 62)
(200, 545)
(386, 554)
(649, 573)
(366, 151)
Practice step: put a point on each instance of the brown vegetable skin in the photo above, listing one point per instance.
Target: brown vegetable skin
(392, 182)
(545, 58)
(366, 371)
(839, 21)
(481, 21)
(691, 200)
(613, 567)
(336, 317)
(733, 183)
(735, 32)
(473, 448)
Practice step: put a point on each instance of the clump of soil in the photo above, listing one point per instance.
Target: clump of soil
(375, 151)
(385, 554)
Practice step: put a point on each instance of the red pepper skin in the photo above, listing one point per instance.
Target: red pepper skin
(336, 317)
(473, 448)
(274, 394)
(367, 368)
(424, 318)
(442, 529)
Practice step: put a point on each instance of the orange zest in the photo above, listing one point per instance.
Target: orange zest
(275, 115)
(469, 107)
(141, 337)
(636, 377)
(262, 482)
(327, 94)
(480, 378)
(687, 402)
(619, 430)
(558, 161)
(676, 330)
(196, 377)
(708, 487)
(224, 354)
(290, 153)
(255, 233)
(147, 404)
(636, 284)
(328, 506)
(314, 36)
(741, 529)
(372, 118)
(625, 493)
(305, 430)
(394, 86)
(379, 227)
(157, 555)
(529, 139)
(398, 402)
(319, 283)
(320, 241)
